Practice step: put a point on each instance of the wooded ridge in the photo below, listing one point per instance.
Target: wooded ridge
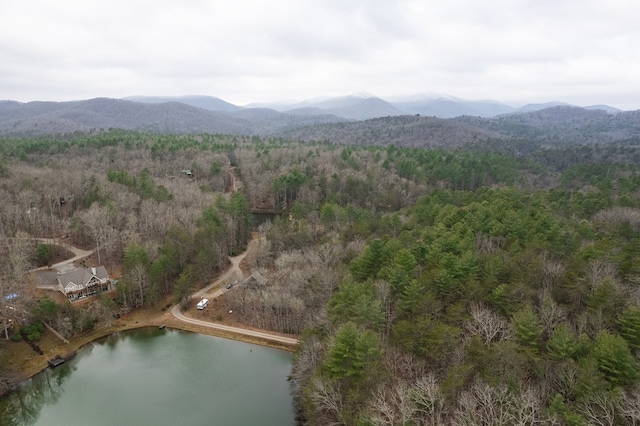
(551, 126)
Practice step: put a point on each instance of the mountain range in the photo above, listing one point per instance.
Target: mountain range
(354, 119)
(362, 106)
(37, 118)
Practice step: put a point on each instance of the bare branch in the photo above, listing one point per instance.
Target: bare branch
(487, 324)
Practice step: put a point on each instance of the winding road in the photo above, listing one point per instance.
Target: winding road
(212, 291)
(215, 289)
(77, 253)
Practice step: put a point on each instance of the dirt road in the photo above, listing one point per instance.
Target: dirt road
(77, 253)
(217, 288)
(264, 335)
(212, 291)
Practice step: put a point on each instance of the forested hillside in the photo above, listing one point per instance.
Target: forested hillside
(47, 118)
(406, 131)
(564, 125)
(551, 127)
(492, 284)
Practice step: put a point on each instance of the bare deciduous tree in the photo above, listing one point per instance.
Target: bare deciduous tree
(404, 365)
(600, 409)
(599, 272)
(327, 401)
(629, 215)
(630, 405)
(307, 360)
(263, 252)
(552, 271)
(488, 244)
(429, 400)
(15, 289)
(551, 314)
(486, 324)
(392, 405)
(96, 222)
(384, 294)
(565, 378)
(483, 404)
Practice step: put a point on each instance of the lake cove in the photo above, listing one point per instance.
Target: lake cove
(158, 377)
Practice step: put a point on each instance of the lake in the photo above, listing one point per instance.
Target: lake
(158, 377)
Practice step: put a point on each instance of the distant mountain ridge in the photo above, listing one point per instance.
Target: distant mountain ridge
(363, 106)
(38, 118)
(359, 106)
(563, 124)
(555, 126)
(210, 103)
(360, 119)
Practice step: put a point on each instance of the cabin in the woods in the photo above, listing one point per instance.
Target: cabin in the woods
(75, 282)
(83, 282)
(255, 280)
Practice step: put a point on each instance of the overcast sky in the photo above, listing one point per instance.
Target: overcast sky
(516, 51)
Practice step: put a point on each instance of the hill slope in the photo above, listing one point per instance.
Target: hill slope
(210, 103)
(555, 125)
(37, 118)
(407, 131)
(564, 124)
(447, 107)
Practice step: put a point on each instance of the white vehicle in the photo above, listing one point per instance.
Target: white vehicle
(202, 304)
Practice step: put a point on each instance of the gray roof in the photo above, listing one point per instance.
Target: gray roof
(71, 278)
(46, 278)
(258, 278)
(82, 276)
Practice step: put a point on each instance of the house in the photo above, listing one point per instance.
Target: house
(256, 280)
(76, 283)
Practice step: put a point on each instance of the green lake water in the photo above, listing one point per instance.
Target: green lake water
(158, 377)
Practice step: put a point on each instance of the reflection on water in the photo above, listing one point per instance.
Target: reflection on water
(23, 406)
(173, 377)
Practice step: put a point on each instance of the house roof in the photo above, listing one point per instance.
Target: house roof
(84, 275)
(46, 278)
(70, 278)
(258, 278)
(80, 277)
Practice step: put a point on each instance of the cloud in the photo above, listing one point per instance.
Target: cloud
(248, 50)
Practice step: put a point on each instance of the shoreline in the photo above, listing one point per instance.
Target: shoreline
(23, 368)
(135, 320)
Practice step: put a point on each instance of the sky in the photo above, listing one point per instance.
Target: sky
(584, 52)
